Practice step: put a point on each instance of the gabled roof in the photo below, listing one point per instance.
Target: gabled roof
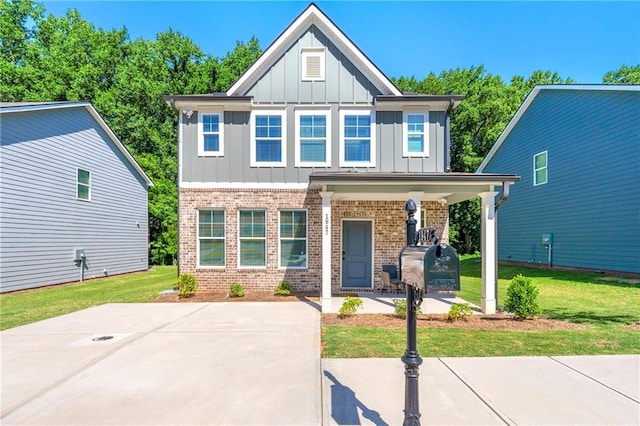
(312, 15)
(10, 107)
(529, 100)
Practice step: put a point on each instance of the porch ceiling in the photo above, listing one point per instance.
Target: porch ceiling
(453, 187)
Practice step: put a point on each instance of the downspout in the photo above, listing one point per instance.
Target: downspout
(503, 198)
(447, 137)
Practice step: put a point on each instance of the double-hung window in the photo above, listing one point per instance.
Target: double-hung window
(210, 134)
(357, 141)
(415, 130)
(252, 235)
(211, 240)
(293, 239)
(83, 184)
(268, 139)
(312, 141)
(540, 168)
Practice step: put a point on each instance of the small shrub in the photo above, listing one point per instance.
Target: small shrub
(350, 306)
(459, 311)
(522, 297)
(400, 308)
(236, 290)
(187, 285)
(283, 288)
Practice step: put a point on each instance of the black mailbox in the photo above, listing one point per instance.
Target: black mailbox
(430, 268)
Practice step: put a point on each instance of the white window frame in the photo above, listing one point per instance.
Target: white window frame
(372, 146)
(266, 246)
(545, 168)
(306, 239)
(405, 134)
(307, 52)
(298, 149)
(202, 133)
(224, 239)
(78, 183)
(283, 138)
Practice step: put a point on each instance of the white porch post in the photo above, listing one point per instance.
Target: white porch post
(326, 251)
(488, 249)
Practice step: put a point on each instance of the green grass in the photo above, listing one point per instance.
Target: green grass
(27, 307)
(605, 306)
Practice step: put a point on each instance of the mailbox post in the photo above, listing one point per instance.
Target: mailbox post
(411, 357)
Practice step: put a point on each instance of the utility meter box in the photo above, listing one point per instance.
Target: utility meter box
(547, 239)
(78, 255)
(430, 268)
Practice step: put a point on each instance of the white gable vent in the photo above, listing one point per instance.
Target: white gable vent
(312, 60)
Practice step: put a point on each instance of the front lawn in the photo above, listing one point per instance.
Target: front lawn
(607, 307)
(29, 306)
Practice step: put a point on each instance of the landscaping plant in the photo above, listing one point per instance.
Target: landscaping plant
(350, 306)
(236, 290)
(459, 311)
(400, 308)
(187, 285)
(283, 288)
(522, 298)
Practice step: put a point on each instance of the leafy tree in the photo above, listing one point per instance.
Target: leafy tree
(624, 75)
(235, 63)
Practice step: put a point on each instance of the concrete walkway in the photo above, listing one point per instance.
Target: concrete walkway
(259, 364)
(376, 303)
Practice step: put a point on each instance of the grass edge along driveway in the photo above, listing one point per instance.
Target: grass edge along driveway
(607, 306)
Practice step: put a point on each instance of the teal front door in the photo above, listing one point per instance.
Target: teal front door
(356, 253)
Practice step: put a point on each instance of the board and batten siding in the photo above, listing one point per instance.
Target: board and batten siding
(41, 220)
(234, 166)
(343, 82)
(591, 203)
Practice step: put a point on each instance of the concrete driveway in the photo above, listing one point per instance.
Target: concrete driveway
(215, 363)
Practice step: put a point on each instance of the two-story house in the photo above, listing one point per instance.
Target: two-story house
(301, 170)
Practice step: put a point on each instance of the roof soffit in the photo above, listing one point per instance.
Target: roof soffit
(312, 16)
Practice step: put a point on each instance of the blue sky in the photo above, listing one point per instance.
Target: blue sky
(581, 40)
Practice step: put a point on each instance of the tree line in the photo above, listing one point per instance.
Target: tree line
(47, 58)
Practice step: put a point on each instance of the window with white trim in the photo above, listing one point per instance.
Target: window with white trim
(293, 239)
(312, 63)
(210, 134)
(252, 236)
(540, 168)
(83, 184)
(357, 142)
(211, 238)
(312, 142)
(268, 139)
(415, 134)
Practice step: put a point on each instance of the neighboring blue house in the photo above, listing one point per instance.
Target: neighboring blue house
(577, 149)
(74, 201)
(301, 170)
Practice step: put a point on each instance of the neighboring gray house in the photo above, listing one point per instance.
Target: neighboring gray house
(68, 188)
(301, 170)
(577, 149)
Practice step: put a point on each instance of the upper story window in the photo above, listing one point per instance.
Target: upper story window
(312, 144)
(540, 168)
(83, 184)
(357, 142)
(211, 238)
(312, 63)
(268, 139)
(210, 134)
(415, 134)
(252, 235)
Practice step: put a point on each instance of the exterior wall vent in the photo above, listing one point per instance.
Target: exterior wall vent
(313, 64)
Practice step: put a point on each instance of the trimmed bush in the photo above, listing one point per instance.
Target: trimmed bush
(400, 308)
(283, 288)
(459, 311)
(350, 306)
(522, 298)
(187, 285)
(236, 290)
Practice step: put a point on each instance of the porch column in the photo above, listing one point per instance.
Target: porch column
(326, 251)
(488, 249)
(417, 198)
